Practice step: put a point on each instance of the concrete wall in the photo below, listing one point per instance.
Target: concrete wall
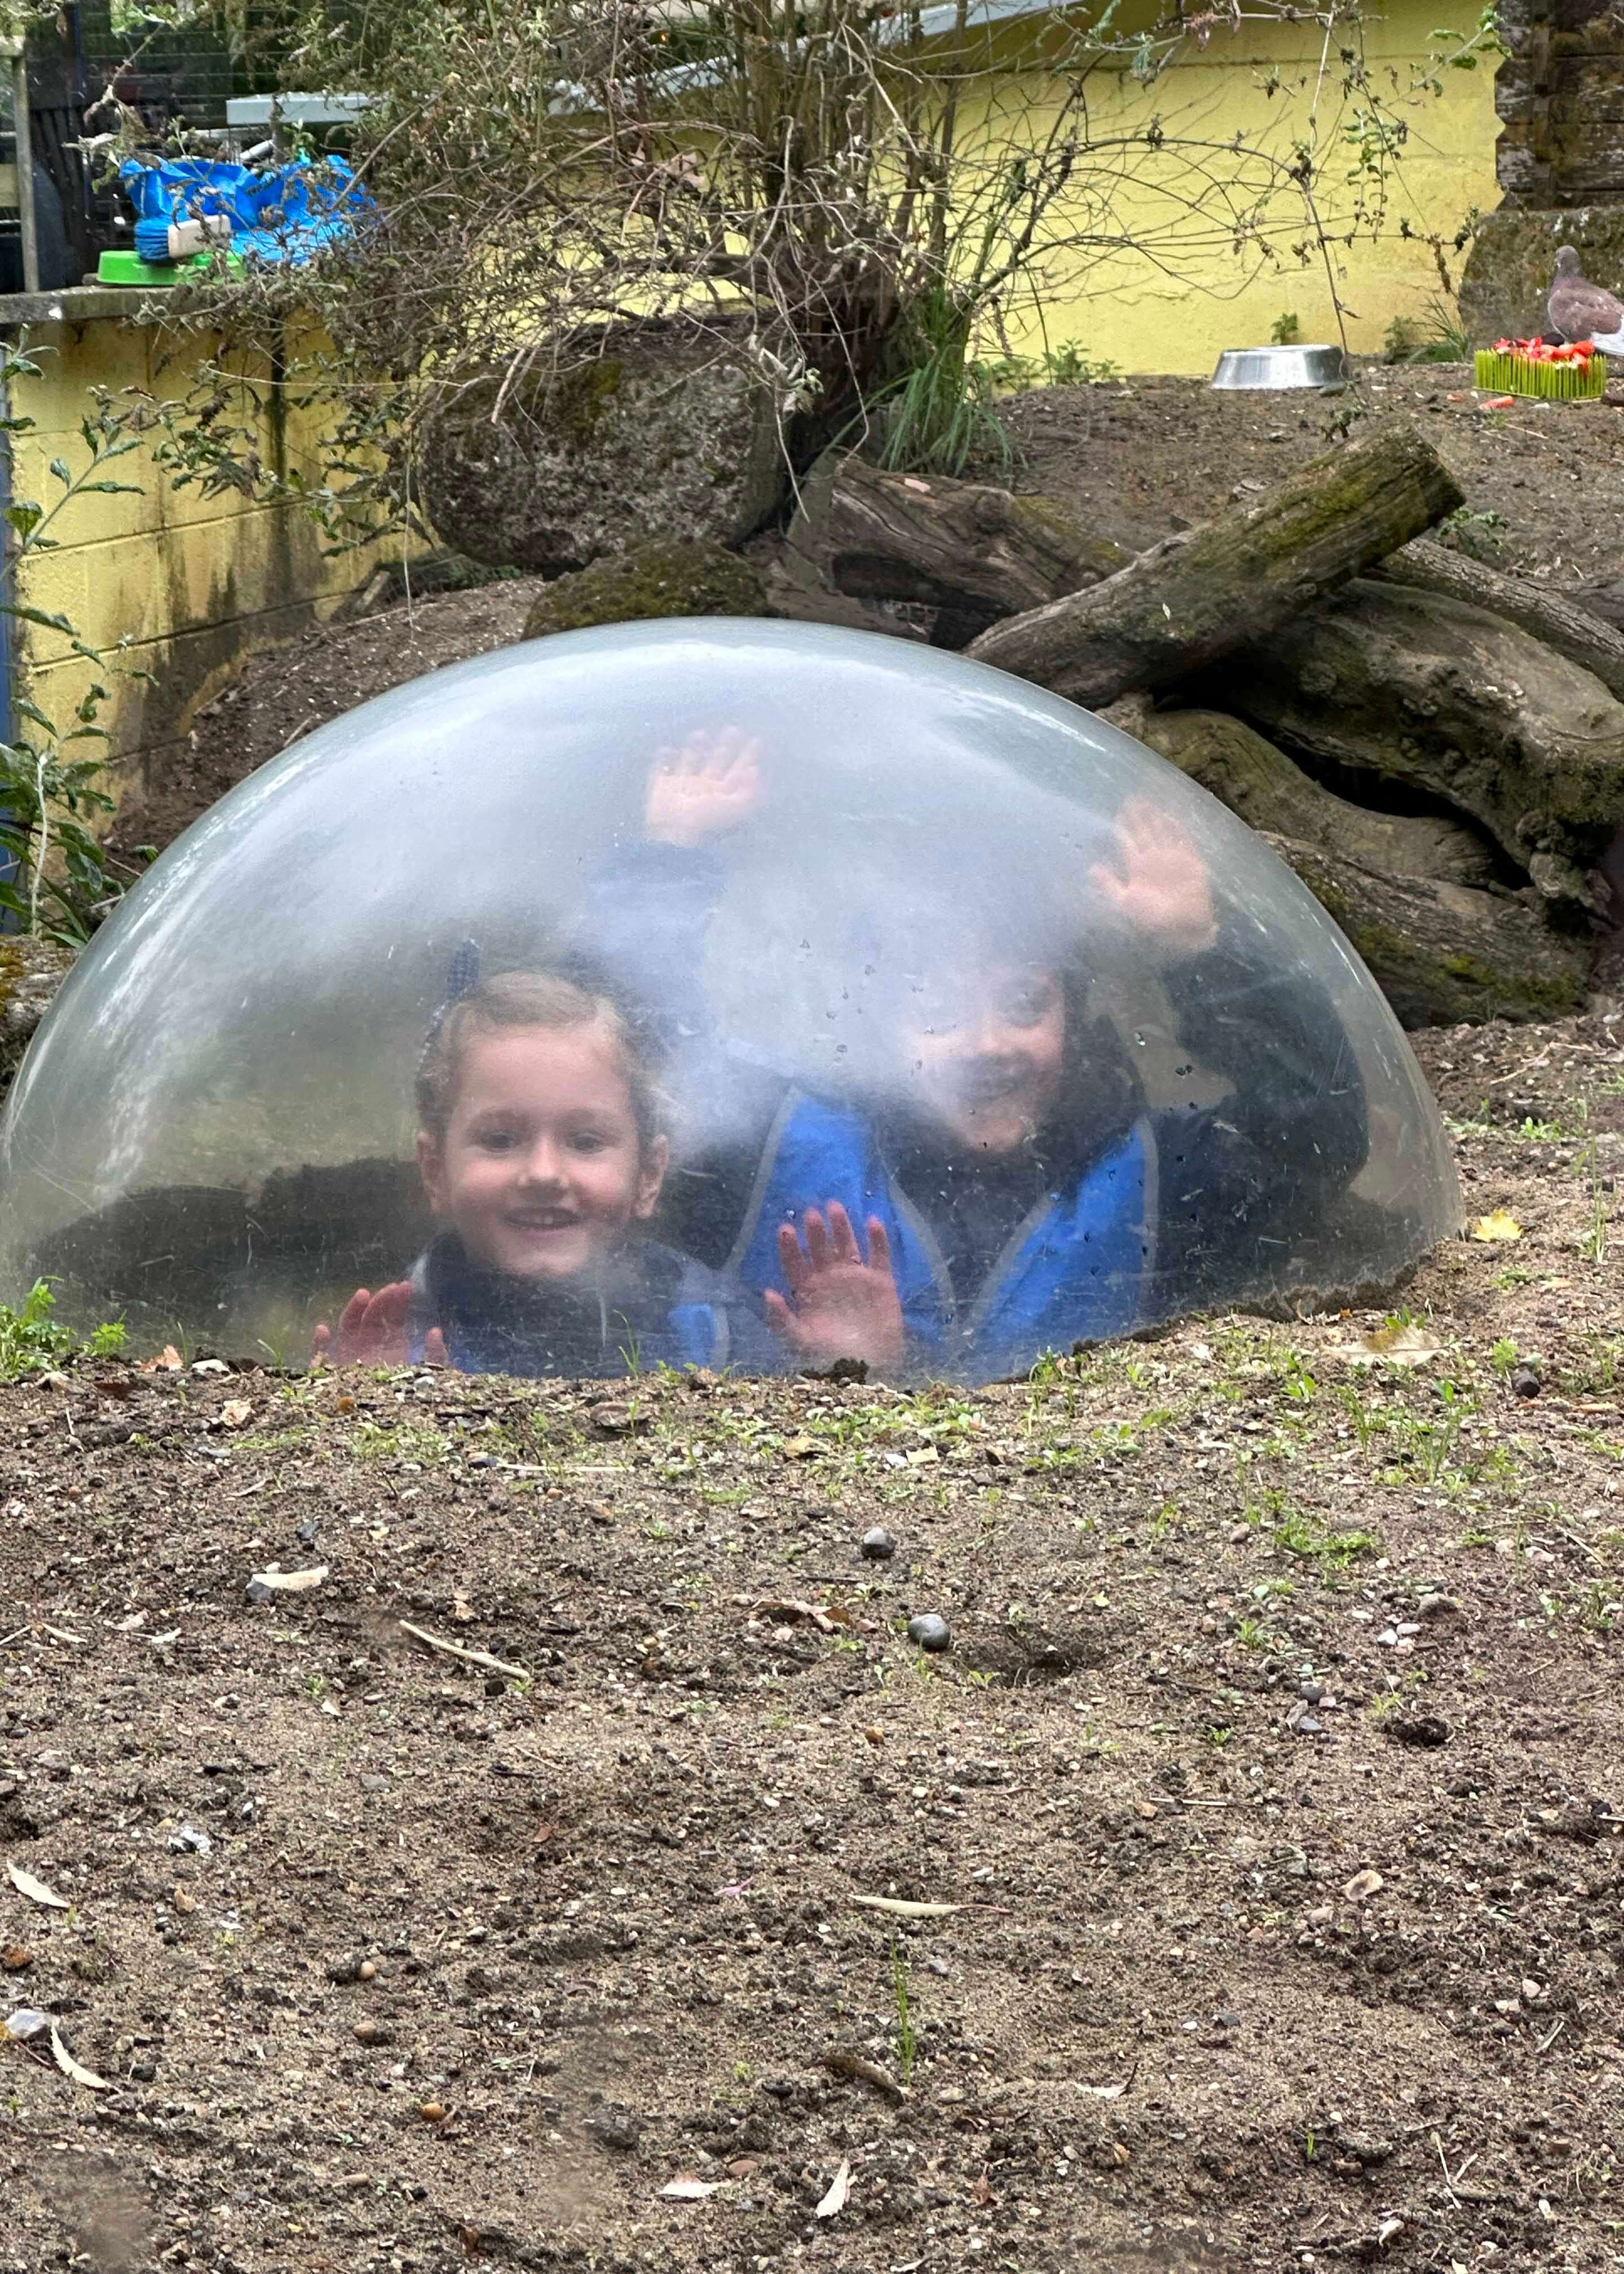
(194, 585)
(1180, 289)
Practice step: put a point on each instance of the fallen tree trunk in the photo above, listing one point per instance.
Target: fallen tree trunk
(1273, 794)
(1551, 618)
(1438, 694)
(967, 549)
(1234, 579)
(1443, 955)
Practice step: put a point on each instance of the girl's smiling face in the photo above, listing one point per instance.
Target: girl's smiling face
(541, 1168)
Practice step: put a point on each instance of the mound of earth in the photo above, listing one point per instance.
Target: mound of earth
(1134, 459)
(584, 1870)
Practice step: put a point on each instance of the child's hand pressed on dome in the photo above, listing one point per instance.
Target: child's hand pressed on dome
(708, 786)
(372, 1331)
(1162, 884)
(844, 1307)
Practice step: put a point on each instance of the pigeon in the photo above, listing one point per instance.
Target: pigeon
(1580, 310)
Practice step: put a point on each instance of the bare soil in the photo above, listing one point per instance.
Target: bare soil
(1272, 1780)
(1138, 458)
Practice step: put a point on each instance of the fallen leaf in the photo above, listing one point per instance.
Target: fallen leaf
(1407, 1345)
(981, 2191)
(168, 1360)
(288, 1583)
(69, 2067)
(685, 2190)
(236, 1413)
(801, 1449)
(36, 1890)
(839, 2192)
(1363, 1886)
(899, 1908)
(15, 1959)
(1103, 2092)
(461, 1610)
(345, 1404)
(1499, 1224)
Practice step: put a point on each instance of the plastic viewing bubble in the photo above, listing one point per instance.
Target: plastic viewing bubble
(721, 993)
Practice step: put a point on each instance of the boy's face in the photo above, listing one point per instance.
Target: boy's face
(987, 1051)
(540, 1170)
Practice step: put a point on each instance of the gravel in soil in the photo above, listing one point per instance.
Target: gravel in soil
(1137, 459)
(1248, 1870)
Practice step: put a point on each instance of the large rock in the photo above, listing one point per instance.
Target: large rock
(1273, 795)
(1412, 687)
(1443, 955)
(658, 434)
(651, 580)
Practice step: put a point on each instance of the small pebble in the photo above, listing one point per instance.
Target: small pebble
(1310, 1692)
(368, 2032)
(367, 1971)
(929, 1631)
(878, 1545)
(433, 2111)
(1525, 1380)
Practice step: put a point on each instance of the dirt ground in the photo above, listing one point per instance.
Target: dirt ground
(1269, 1793)
(1138, 458)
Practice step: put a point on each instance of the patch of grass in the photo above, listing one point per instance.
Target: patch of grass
(906, 2040)
(1305, 1536)
(32, 1340)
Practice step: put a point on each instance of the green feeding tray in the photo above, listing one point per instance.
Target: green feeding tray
(130, 268)
(1507, 374)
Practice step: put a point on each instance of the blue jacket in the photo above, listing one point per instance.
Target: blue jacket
(1072, 1270)
(651, 1308)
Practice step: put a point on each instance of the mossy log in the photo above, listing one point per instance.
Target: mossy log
(1234, 579)
(967, 549)
(647, 581)
(1443, 955)
(1550, 617)
(1409, 687)
(1274, 795)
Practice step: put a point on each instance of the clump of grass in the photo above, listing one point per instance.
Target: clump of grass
(33, 1339)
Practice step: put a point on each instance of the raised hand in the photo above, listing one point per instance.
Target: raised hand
(372, 1331)
(706, 787)
(1162, 884)
(843, 1305)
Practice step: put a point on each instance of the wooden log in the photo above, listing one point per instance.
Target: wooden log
(968, 548)
(1550, 617)
(1443, 955)
(1236, 578)
(1446, 699)
(1274, 796)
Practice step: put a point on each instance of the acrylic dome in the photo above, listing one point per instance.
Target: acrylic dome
(810, 917)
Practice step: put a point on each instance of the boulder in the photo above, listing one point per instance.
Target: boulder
(1443, 955)
(1512, 259)
(1273, 793)
(656, 430)
(1412, 687)
(651, 580)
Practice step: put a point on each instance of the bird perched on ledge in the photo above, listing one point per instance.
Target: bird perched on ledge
(1580, 310)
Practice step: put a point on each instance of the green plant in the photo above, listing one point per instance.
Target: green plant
(1477, 535)
(1438, 335)
(934, 403)
(32, 1338)
(1069, 364)
(1285, 331)
(62, 877)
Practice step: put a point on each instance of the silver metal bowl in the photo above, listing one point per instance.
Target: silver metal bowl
(1293, 366)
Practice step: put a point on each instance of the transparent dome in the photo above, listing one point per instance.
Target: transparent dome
(723, 992)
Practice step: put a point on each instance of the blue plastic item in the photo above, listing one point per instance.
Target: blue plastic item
(286, 215)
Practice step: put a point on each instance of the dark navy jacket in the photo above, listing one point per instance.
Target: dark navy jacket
(650, 1308)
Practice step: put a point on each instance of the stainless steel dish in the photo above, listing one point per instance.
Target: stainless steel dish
(1294, 366)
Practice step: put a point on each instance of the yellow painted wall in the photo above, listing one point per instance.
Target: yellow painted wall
(194, 583)
(1172, 300)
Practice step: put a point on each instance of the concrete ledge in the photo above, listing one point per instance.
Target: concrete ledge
(76, 304)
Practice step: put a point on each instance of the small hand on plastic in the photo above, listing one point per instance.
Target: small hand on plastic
(372, 1331)
(708, 786)
(843, 1306)
(1162, 885)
